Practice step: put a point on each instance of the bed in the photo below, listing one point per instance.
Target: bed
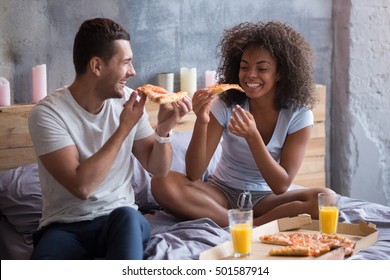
(20, 196)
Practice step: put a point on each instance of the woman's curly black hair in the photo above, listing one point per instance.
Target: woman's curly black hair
(289, 48)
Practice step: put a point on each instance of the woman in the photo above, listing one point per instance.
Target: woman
(265, 131)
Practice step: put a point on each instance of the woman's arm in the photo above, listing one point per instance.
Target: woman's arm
(279, 176)
(205, 137)
(203, 144)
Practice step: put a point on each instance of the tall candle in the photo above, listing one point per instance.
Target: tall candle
(166, 80)
(5, 92)
(210, 78)
(188, 80)
(39, 83)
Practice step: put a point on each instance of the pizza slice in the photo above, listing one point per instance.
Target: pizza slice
(276, 239)
(317, 250)
(335, 241)
(219, 88)
(160, 95)
(317, 244)
(293, 250)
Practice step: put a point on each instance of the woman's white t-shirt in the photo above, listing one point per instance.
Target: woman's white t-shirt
(237, 167)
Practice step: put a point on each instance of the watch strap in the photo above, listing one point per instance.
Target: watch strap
(163, 140)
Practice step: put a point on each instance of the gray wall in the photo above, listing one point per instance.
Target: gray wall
(166, 34)
(361, 100)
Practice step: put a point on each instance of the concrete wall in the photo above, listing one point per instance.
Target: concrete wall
(361, 100)
(165, 34)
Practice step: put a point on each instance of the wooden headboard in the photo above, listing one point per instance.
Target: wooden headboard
(16, 147)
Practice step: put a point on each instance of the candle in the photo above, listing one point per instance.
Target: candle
(166, 80)
(188, 79)
(210, 78)
(5, 93)
(39, 83)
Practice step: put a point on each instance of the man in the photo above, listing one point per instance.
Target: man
(84, 135)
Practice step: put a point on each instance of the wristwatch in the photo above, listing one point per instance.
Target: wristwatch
(163, 140)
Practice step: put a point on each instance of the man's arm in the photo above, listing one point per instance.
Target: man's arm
(83, 178)
(154, 156)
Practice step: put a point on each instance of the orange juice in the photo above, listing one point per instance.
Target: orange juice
(328, 219)
(241, 238)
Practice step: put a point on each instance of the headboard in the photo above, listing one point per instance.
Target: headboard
(16, 147)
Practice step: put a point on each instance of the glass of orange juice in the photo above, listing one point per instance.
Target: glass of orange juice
(240, 225)
(328, 206)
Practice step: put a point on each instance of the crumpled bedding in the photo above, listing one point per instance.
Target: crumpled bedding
(20, 210)
(175, 240)
(184, 240)
(354, 210)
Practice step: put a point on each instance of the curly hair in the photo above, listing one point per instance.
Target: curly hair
(289, 48)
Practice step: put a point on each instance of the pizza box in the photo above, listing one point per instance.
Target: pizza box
(364, 234)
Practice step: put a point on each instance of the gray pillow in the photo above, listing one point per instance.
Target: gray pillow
(20, 198)
(141, 179)
(180, 142)
(13, 245)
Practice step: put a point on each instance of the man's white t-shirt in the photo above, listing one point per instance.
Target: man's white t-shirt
(59, 121)
(237, 167)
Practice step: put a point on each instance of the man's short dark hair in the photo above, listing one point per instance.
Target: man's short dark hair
(95, 38)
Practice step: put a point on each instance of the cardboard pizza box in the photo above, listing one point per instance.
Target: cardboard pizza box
(364, 234)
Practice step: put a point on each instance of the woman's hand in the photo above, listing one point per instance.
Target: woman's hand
(201, 105)
(242, 123)
(170, 114)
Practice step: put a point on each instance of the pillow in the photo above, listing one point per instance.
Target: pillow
(180, 142)
(20, 198)
(141, 179)
(141, 186)
(13, 245)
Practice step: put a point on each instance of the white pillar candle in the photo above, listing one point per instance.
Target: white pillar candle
(166, 80)
(39, 83)
(210, 78)
(188, 80)
(5, 92)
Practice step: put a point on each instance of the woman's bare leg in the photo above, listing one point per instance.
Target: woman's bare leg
(188, 200)
(289, 204)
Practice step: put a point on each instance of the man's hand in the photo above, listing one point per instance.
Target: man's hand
(133, 110)
(170, 114)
